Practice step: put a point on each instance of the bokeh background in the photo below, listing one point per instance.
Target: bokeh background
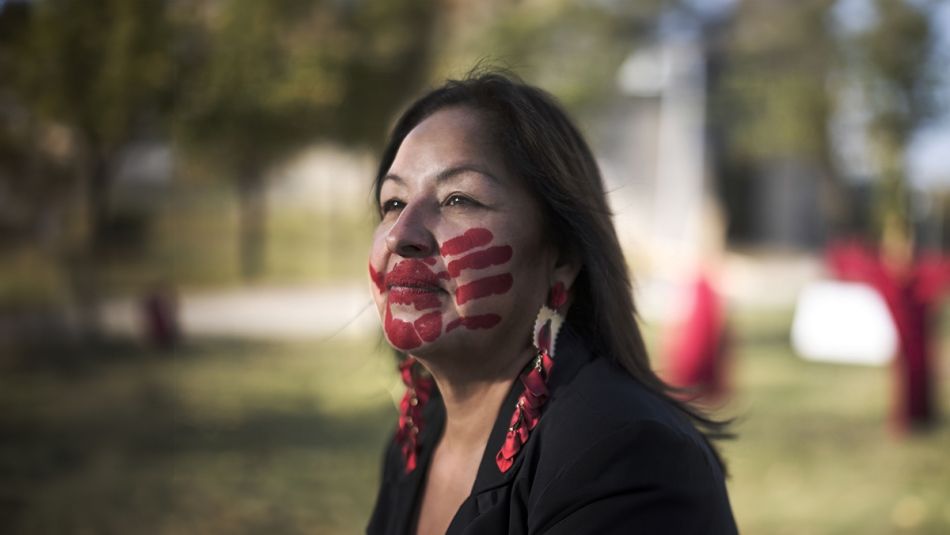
(187, 343)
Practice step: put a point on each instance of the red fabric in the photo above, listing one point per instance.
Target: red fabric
(696, 358)
(418, 392)
(161, 318)
(910, 295)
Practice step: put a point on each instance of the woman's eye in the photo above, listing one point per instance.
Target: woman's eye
(390, 205)
(456, 199)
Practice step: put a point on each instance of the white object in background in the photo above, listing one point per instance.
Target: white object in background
(843, 322)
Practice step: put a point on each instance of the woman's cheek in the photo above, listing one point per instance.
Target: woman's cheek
(376, 277)
(378, 259)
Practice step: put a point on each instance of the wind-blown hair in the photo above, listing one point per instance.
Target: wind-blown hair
(548, 154)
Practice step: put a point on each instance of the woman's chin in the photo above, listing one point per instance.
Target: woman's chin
(446, 348)
(419, 349)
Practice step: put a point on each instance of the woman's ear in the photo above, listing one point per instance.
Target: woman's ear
(566, 268)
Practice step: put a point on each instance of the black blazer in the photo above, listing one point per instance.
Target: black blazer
(607, 456)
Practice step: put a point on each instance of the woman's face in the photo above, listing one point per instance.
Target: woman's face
(458, 261)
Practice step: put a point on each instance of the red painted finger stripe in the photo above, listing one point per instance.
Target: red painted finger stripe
(483, 321)
(496, 284)
(492, 256)
(471, 239)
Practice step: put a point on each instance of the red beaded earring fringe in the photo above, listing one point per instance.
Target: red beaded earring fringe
(418, 392)
(528, 409)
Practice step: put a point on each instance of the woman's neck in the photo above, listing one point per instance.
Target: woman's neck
(472, 400)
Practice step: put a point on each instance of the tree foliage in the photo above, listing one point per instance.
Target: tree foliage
(891, 57)
(262, 79)
(93, 77)
(773, 89)
(572, 48)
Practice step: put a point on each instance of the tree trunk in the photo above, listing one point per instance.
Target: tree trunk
(84, 276)
(252, 217)
(838, 213)
(892, 205)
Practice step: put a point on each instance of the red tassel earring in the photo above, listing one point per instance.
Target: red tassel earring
(531, 401)
(418, 392)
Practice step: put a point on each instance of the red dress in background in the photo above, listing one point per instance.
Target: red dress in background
(911, 294)
(696, 357)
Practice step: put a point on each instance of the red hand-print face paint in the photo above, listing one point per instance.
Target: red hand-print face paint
(413, 283)
(458, 252)
(474, 264)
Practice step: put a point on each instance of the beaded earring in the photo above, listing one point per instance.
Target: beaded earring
(418, 392)
(531, 401)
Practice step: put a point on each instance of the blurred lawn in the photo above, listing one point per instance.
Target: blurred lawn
(192, 240)
(814, 454)
(221, 437)
(188, 236)
(228, 437)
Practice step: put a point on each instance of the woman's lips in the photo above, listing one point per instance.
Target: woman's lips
(413, 276)
(414, 290)
(411, 282)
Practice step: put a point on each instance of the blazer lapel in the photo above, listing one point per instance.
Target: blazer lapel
(569, 358)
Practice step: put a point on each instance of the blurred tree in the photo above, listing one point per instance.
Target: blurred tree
(261, 79)
(892, 58)
(572, 48)
(770, 102)
(83, 80)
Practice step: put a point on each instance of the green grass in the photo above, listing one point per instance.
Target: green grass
(220, 437)
(814, 452)
(228, 437)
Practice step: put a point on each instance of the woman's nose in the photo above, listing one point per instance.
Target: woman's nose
(410, 237)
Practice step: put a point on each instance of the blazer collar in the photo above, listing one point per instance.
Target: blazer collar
(570, 356)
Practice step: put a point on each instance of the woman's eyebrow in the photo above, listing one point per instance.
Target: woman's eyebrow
(449, 173)
(392, 176)
(464, 168)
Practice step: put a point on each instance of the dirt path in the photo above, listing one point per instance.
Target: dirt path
(315, 312)
(274, 312)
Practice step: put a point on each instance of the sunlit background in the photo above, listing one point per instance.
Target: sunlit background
(187, 343)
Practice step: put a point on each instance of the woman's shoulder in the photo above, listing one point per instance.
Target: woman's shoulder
(609, 442)
(602, 400)
(600, 397)
(604, 408)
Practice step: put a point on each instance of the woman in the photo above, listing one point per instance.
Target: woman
(515, 420)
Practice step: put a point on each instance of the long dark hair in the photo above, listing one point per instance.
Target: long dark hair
(547, 152)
